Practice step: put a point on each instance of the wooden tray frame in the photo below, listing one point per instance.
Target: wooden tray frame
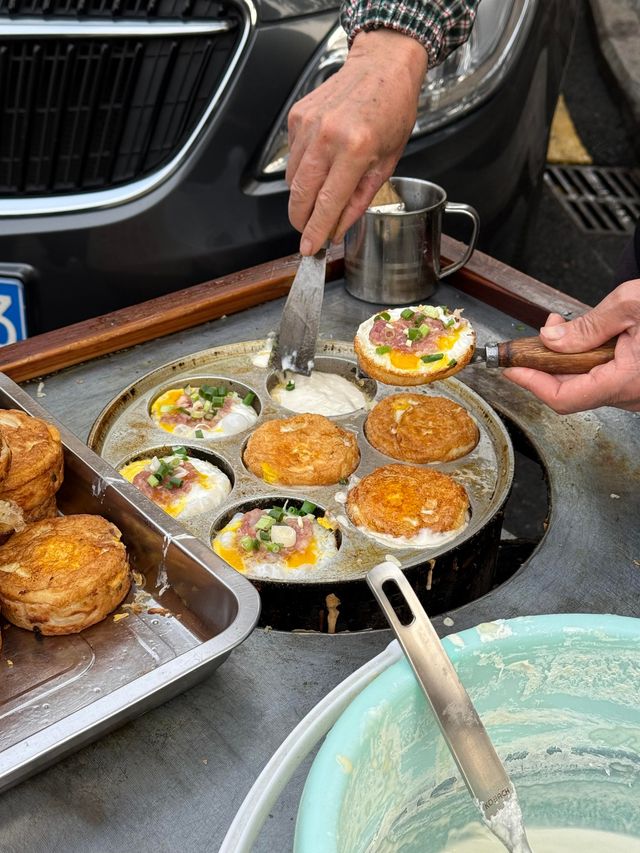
(491, 281)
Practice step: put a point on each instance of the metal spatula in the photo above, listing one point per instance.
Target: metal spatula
(461, 727)
(294, 347)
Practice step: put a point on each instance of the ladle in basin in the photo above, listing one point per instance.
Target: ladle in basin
(465, 735)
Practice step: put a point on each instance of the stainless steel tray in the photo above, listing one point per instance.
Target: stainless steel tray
(59, 693)
(124, 431)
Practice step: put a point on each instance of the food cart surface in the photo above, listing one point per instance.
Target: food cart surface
(174, 778)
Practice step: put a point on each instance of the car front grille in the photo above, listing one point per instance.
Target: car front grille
(110, 97)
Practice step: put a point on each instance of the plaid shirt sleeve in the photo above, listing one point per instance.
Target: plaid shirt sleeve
(440, 25)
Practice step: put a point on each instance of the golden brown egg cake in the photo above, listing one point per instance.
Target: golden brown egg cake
(305, 450)
(408, 503)
(420, 428)
(5, 458)
(414, 346)
(62, 575)
(35, 473)
(11, 520)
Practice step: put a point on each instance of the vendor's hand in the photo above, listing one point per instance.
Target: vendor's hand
(616, 383)
(346, 136)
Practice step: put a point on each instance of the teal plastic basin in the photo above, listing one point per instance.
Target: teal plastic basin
(560, 697)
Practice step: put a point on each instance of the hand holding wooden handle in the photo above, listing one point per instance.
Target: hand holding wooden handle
(531, 352)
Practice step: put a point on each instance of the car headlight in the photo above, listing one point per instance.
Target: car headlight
(465, 79)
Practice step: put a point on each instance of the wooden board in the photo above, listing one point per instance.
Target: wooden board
(495, 283)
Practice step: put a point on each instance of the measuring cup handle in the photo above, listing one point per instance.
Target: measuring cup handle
(472, 213)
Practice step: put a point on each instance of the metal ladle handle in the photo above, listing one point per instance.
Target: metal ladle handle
(462, 729)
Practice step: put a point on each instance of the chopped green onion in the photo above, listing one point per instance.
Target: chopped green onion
(450, 323)
(407, 314)
(343, 481)
(265, 522)
(176, 461)
(221, 391)
(272, 546)
(167, 408)
(207, 406)
(290, 385)
(307, 507)
(383, 315)
(424, 330)
(452, 362)
(435, 357)
(414, 334)
(248, 400)
(217, 401)
(199, 433)
(176, 481)
(277, 513)
(180, 451)
(432, 312)
(264, 535)
(418, 319)
(249, 543)
(383, 350)
(153, 481)
(182, 410)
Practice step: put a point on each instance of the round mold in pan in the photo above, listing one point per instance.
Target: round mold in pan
(206, 455)
(240, 389)
(345, 368)
(449, 575)
(289, 576)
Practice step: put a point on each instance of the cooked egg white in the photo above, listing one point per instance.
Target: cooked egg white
(320, 394)
(321, 550)
(205, 494)
(238, 419)
(453, 343)
(424, 538)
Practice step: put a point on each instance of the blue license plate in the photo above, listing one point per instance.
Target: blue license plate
(13, 324)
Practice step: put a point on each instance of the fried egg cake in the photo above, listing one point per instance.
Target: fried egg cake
(35, 473)
(414, 346)
(62, 575)
(277, 542)
(203, 411)
(421, 428)
(5, 458)
(182, 485)
(306, 450)
(408, 507)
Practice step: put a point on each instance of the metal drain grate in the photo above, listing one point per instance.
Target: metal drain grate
(601, 200)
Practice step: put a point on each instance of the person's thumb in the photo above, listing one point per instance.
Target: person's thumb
(617, 312)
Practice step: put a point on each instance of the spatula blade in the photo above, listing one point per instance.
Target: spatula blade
(295, 345)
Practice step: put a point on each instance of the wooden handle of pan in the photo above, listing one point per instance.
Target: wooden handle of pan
(531, 352)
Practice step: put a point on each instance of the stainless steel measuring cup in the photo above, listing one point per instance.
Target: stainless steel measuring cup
(394, 257)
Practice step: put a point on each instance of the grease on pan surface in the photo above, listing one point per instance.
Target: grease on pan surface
(125, 431)
(414, 346)
(421, 428)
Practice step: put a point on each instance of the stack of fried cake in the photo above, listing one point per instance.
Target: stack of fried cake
(58, 574)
